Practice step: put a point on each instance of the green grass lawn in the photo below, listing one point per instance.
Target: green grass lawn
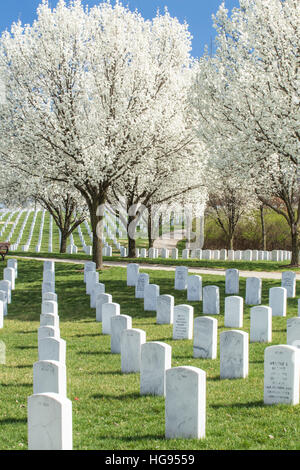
(108, 411)
(261, 266)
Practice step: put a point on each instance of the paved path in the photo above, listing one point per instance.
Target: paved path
(169, 240)
(195, 270)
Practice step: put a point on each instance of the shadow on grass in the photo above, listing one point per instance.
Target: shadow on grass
(249, 404)
(93, 353)
(25, 347)
(23, 366)
(130, 396)
(106, 372)
(12, 420)
(27, 332)
(138, 437)
(85, 335)
(16, 385)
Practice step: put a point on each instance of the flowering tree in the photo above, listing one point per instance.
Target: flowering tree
(172, 178)
(246, 101)
(87, 92)
(66, 206)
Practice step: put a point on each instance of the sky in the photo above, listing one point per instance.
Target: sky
(197, 14)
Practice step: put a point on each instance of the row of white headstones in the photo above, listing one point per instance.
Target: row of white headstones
(50, 412)
(49, 409)
(111, 227)
(153, 359)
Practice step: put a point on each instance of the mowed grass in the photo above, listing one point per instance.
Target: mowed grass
(260, 266)
(108, 411)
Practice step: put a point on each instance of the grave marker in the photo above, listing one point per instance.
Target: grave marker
(231, 281)
(131, 342)
(233, 317)
(185, 403)
(205, 337)
(142, 282)
(253, 291)
(234, 354)
(165, 309)
(100, 301)
(281, 375)
(277, 301)
(49, 422)
(288, 280)
(181, 275)
(261, 324)
(132, 274)
(49, 376)
(293, 332)
(109, 310)
(52, 349)
(183, 322)
(151, 293)
(194, 288)
(211, 300)
(155, 360)
(117, 325)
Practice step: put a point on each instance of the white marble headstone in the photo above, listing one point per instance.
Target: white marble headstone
(165, 309)
(261, 324)
(6, 287)
(49, 376)
(183, 322)
(98, 288)
(233, 316)
(181, 275)
(288, 280)
(253, 291)
(49, 306)
(293, 331)
(234, 354)
(231, 281)
(155, 360)
(194, 288)
(3, 298)
(142, 282)
(211, 300)
(278, 301)
(100, 301)
(281, 375)
(109, 310)
(205, 337)
(151, 294)
(9, 275)
(131, 342)
(185, 403)
(132, 274)
(49, 422)
(118, 323)
(52, 349)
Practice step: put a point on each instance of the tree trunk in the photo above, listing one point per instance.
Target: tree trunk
(160, 225)
(295, 247)
(63, 242)
(131, 248)
(230, 242)
(263, 229)
(150, 239)
(97, 230)
(131, 240)
(117, 223)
